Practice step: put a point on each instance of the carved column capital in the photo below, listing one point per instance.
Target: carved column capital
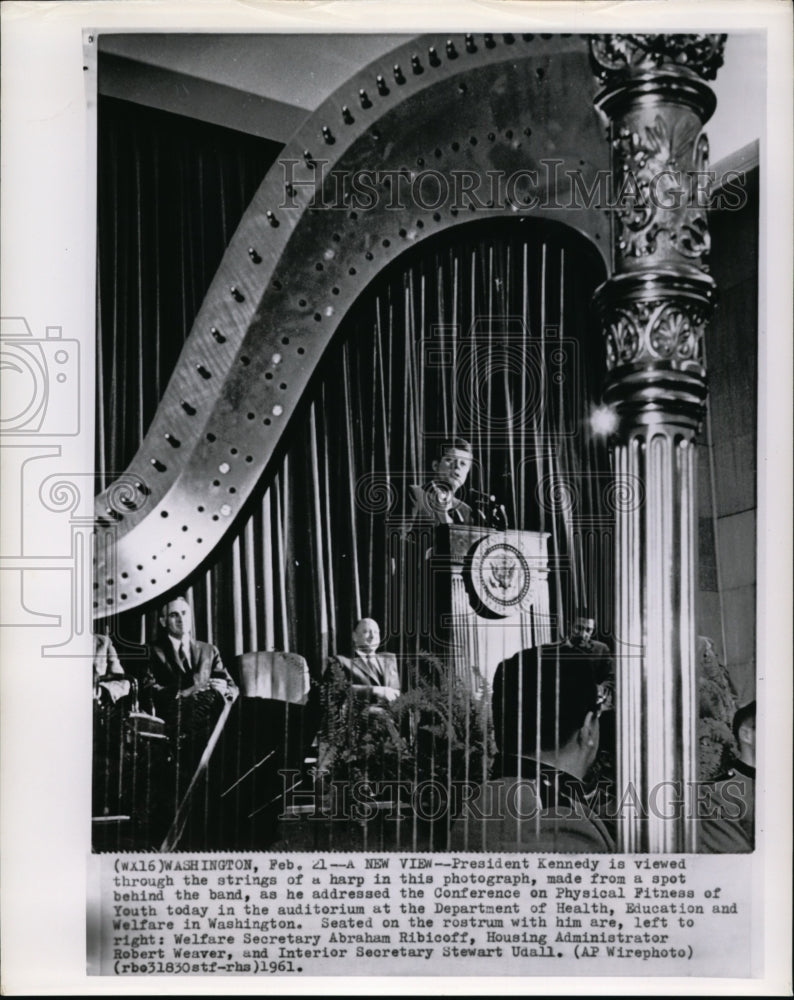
(657, 103)
(616, 57)
(654, 324)
(654, 309)
(660, 163)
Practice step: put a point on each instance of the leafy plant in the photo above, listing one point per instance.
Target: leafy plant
(437, 730)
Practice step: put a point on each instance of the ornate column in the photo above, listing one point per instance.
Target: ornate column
(653, 312)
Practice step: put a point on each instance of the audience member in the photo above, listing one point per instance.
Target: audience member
(546, 708)
(727, 811)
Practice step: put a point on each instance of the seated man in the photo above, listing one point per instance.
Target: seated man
(187, 684)
(358, 690)
(727, 811)
(536, 799)
(180, 666)
(110, 684)
(373, 676)
(581, 638)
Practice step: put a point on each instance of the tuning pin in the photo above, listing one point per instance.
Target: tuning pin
(307, 156)
(190, 410)
(237, 295)
(203, 372)
(433, 56)
(365, 101)
(347, 117)
(489, 42)
(255, 258)
(216, 333)
(328, 135)
(470, 46)
(158, 464)
(509, 39)
(398, 74)
(416, 65)
(273, 222)
(452, 52)
(173, 441)
(383, 90)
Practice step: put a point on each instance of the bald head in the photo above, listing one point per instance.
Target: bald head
(366, 635)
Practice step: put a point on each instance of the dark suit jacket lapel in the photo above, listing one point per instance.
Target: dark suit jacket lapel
(169, 655)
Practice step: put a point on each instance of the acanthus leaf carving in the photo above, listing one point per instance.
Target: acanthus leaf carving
(616, 57)
(659, 171)
(656, 330)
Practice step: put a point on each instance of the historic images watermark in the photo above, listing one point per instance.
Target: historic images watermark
(432, 801)
(549, 186)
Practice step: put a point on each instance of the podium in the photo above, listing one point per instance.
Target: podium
(490, 597)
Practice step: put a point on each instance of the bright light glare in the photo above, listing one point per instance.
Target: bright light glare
(603, 420)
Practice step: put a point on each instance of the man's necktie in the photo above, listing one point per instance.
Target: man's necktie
(374, 667)
(184, 659)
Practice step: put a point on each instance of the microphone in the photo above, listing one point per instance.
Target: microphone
(491, 512)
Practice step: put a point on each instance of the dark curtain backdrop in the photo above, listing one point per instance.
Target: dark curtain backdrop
(483, 332)
(170, 193)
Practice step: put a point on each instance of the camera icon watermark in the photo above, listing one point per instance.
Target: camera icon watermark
(40, 381)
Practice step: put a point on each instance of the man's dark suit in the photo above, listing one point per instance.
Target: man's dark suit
(166, 676)
(597, 651)
(371, 670)
(434, 504)
(189, 722)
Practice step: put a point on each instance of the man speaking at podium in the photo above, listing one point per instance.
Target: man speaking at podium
(437, 501)
(446, 521)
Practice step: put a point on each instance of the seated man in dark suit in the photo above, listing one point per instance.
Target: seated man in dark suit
(358, 690)
(581, 638)
(180, 666)
(187, 684)
(373, 676)
(537, 799)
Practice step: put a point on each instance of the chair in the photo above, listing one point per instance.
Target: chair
(275, 676)
(277, 723)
